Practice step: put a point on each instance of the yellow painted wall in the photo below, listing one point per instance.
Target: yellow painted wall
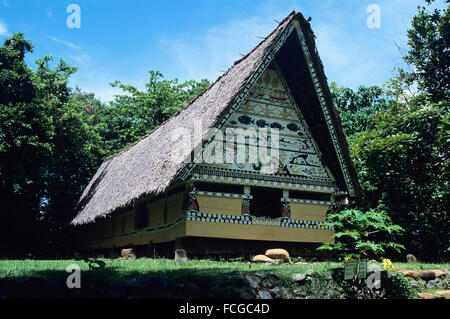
(311, 212)
(258, 232)
(219, 230)
(118, 224)
(219, 205)
(129, 220)
(175, 207)
(141, 238)
(155, 215)
(108, 226)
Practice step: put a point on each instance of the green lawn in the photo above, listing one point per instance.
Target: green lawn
(420, 266)
(126, 269)
(214, 279)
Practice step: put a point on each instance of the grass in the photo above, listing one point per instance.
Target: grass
(212, 277)
(121, 269)
(419, 266)
(126, 269)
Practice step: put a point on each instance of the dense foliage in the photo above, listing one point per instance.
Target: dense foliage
(53, 138)
(135, 113)
(429, 53)
(357, 108)
(403, 167)
(361, 234)
(399, 139)
(48, 147)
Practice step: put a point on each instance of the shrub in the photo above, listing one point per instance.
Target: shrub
(358, 233)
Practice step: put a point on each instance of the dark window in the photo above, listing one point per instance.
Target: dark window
(165, 211)
(219, 188)
(176, 190)
(266, 202)
(309, 195)
(141, 217)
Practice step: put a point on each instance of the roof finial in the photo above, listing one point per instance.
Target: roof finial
(309, 19)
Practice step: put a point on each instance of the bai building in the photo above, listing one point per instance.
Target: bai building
(255, 161)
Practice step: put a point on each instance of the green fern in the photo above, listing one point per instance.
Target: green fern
(357, 231)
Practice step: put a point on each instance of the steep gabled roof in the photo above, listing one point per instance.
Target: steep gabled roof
(147, 168)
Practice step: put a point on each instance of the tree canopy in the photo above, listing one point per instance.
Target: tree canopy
(399, 139)
(53, 138)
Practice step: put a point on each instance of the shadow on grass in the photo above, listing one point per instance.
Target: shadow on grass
(115, 282)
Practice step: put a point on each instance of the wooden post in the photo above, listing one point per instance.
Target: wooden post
(178, 244)
(149, 249)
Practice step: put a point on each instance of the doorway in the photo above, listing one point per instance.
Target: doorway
(266, 202)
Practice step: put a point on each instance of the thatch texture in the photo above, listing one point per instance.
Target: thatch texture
(146, 167)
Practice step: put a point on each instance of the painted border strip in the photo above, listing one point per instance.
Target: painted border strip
(253, 220)
(226, 195)
(307, 201)
(325, 109)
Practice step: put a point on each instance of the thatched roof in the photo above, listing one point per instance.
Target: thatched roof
(146, 167)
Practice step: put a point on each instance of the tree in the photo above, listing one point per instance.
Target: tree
(135, 113)
(48, 148)
(399, 139)
(429, 51)
(403, 167)
(357, 108)
(15, 77)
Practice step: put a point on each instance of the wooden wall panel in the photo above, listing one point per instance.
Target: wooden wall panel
(108, 226)
(156, 215)
(258, 232)
(312, 212)
(118, 224)
(219, 205)
(129, 219)
(174, 207)
(178, 231)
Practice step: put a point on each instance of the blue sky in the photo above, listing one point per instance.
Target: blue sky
(122, 40)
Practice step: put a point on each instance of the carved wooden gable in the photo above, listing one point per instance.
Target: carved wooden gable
(269, 105)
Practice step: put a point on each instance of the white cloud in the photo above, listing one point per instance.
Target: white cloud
(96, 80)
(81, 59)
(347, 60)
(67, 43)
(353, 54)
(214, 51)
(104, 92)
(3, 29)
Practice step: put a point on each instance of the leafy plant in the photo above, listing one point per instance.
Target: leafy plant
(134, 113)
(403, 165)
(357, 233)
(398, 287)
(428, 51)
(95, 263)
